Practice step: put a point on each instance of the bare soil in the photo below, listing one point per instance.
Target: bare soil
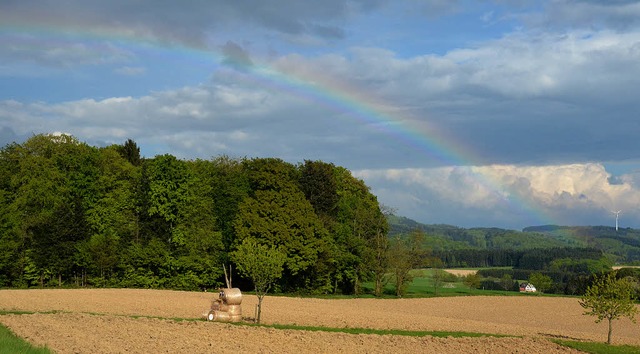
(106, 321)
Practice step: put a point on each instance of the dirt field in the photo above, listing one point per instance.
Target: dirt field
(100, 321)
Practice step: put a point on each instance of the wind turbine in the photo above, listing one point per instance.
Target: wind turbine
(617, 214)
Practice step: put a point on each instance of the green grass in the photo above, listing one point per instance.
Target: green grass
(11, 344)
(423, 286)
(599, 348)
(395, 332)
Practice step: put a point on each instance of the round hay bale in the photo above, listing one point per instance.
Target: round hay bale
(221, 316)
(232, 309)
(231, 296)
(215, 305)
(211, 316)
(236, 318)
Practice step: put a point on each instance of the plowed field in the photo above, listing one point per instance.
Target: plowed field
(106, 321)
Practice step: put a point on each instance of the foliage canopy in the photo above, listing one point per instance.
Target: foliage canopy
(609, 298)
(73, 214)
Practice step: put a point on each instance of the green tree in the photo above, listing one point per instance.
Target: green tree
(12, 246)
(318, 183)
(360, 233)
(405, 254)
(111, 213)
(53, 185)
(277, 213)
(229, 186)
(472, 280)
(202, 252)
(130, 151)
(540, 281)
(506, 282)
(609, 298)
(169, 193)
(438, 274)
(262, 264)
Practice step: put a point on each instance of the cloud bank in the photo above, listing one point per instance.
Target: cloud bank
(470, 113)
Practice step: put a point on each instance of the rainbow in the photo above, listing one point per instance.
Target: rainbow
(332, 94)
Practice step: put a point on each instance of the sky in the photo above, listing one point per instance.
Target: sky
(487, 113)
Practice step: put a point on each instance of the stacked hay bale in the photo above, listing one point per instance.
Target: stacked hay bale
(227, 307)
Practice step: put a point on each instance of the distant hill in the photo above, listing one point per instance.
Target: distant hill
(622, 245)
(624, 242)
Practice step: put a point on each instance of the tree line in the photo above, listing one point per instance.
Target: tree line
(533, 259)
(77, 215)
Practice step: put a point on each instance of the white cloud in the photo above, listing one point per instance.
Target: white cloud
(517, 196)
(549, 84)
(519, 99)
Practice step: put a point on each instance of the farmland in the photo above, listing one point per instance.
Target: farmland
(138, 321)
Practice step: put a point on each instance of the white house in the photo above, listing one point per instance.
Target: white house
(527, 288)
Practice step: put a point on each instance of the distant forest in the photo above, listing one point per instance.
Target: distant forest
(77, 215)
(621, 246)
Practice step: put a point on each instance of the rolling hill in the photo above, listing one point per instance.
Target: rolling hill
(621, 246)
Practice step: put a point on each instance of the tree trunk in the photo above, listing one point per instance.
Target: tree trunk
(259, 309)
(378, 288)
(609, 334)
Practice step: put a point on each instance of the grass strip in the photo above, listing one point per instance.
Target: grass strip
(348, 330)
(12, 344)
(16, 312)
(395, 332)
(598, 348)
(22, 312)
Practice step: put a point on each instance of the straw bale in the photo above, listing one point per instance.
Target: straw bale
(231, 296)
(215, 305)
(235, 318)
(232, 309)
(221, 316)
(210, 316)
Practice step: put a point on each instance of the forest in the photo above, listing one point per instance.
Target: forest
(495, 247)
(77, 215)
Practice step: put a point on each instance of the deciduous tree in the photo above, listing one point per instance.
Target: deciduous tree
(262, 264)
(472, 280)
(609, 298)
(405, 254)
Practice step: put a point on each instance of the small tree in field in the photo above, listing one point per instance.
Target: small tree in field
(609, 298)
(507, 282)
(262, 264)
(472, 280)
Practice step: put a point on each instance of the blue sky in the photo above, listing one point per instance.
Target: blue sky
(470, 113)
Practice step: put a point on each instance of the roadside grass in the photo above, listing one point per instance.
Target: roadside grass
(598, 348)
(12, 344)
